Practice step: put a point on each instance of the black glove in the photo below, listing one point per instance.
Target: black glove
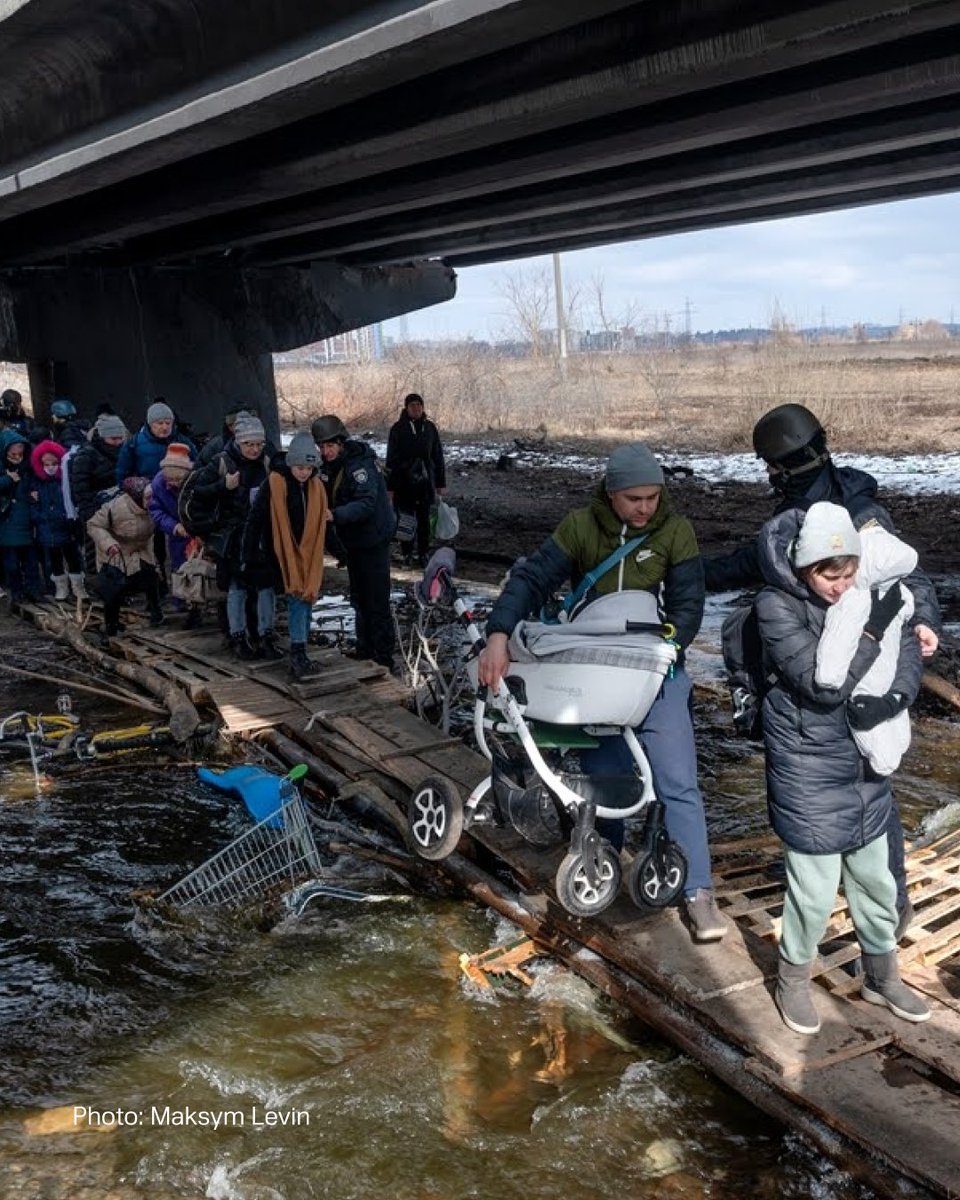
(882, 611)
(864, 712)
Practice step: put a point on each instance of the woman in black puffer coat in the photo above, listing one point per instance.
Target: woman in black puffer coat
(826, 804)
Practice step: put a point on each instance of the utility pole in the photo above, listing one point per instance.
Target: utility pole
(558, 297)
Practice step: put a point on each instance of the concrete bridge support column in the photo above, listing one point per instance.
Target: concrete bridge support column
(202, 338)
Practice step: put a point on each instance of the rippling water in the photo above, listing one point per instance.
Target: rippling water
(390, 1075)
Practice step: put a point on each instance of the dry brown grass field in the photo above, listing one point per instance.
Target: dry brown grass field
(871, 396)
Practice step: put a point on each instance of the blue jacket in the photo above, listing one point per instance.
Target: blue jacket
(15, 525)
(362, 513)
(141, 454)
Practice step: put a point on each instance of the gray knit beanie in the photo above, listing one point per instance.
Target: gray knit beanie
(302, 451)
(158, 411)
(827, 532)
(248, 429)
(632, 466)
(109, 425)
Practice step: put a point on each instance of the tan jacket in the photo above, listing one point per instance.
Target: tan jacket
(122, 522)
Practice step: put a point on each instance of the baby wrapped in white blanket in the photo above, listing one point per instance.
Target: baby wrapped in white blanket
(884, 561)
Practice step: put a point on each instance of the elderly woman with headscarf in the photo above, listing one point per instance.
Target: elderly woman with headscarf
(122, 533)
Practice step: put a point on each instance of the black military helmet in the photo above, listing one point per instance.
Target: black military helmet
(784, 430)
(10, 401)
(328, 428)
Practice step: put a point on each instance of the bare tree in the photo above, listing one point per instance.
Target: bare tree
(529, 295)
(601, 313)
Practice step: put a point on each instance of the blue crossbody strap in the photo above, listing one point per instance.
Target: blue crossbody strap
(591, 577)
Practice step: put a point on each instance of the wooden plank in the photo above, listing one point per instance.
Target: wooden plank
(935, 1042)
(934, 981)
(752, 1021)
(888, 1108)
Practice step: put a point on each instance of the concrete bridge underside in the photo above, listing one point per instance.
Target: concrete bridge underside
(219, 151)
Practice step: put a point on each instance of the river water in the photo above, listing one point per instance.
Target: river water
(341, 1056)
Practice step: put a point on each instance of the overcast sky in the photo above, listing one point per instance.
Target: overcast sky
(879, 264)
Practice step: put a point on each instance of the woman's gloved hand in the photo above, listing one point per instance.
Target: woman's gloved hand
(864, 712)
(882, 611)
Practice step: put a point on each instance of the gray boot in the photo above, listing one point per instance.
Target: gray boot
(793, 997)
(61, 589)
(882, 985)
(78, 586)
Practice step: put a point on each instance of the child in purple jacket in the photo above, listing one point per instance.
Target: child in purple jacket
(175, 466)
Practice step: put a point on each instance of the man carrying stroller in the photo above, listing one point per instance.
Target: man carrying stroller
(631, 502)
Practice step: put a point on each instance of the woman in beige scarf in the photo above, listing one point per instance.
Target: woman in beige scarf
(286, 528)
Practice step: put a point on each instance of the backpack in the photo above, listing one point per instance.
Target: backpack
(748, 678)
(199, 516)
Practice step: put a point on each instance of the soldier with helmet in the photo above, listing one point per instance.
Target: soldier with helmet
(66, 428)
(793, 443)
(360, 525)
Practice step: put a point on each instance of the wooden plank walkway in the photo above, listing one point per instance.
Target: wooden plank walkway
(889, 1089)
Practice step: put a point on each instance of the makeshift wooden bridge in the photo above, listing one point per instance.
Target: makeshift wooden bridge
(878, 1094)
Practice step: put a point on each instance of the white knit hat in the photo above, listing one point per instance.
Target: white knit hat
(827, 532)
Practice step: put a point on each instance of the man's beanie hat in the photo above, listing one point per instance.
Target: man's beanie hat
(158, 411)
(110, 425)
(302, 451)
(632, 466)
(248, 429)
(177, 455)
(827, 532)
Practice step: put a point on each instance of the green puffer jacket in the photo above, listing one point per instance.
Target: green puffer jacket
(667, 563)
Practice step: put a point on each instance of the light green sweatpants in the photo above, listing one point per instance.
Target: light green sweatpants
(812, 881)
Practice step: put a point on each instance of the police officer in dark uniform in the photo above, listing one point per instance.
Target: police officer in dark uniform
(361, 523)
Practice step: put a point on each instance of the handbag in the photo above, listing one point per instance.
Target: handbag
(109, 582)
(195, 580)
(406, 526)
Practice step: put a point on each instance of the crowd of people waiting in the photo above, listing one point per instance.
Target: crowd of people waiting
(77, 499)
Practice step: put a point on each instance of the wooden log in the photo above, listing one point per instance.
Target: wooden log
(941, 688)
(120, 697)
(184, 718)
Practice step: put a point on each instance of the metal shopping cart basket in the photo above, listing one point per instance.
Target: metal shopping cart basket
(277, 858)
(271, 857)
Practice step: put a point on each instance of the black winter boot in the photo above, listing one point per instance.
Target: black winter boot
(882, 985)
(300, 666)
(268, 645)
(793, 997)
(241, 647)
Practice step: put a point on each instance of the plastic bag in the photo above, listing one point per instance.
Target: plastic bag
(447, 524)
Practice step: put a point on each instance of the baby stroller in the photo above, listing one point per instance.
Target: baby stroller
(569, 685)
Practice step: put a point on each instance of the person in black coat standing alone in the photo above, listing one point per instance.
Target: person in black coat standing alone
(416, 473)
(360, 525)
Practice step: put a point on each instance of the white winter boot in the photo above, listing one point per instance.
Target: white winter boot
(61, 587)
(79, 586)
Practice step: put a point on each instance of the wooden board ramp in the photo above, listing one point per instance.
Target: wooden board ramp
(870, 1089)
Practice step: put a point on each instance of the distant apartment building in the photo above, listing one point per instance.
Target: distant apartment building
(354, 346)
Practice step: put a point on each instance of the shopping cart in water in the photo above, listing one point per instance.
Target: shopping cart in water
(277, 858)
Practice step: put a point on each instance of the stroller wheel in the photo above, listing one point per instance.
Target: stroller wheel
(585, 896)
(435, 818)
(653, 884)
